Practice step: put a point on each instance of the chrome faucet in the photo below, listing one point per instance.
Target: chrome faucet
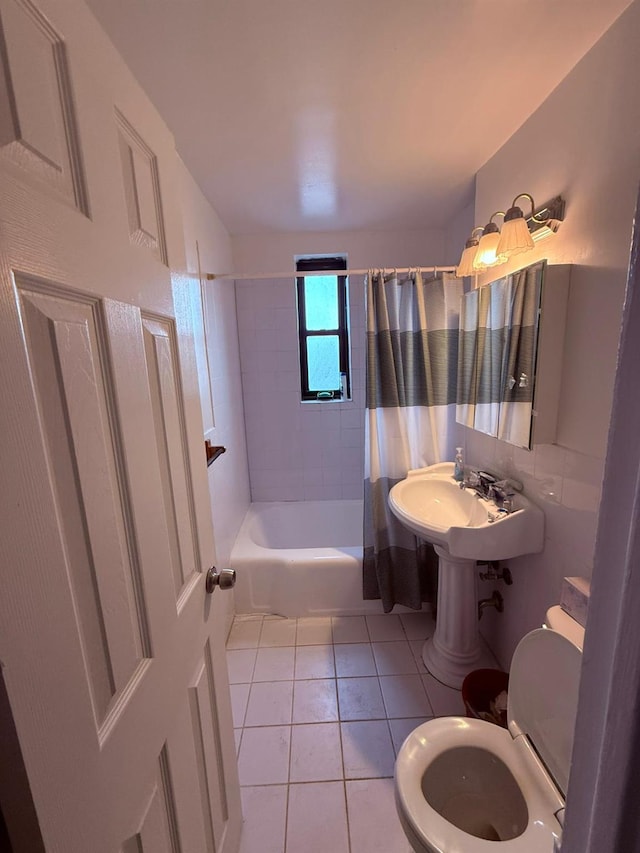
(481, 482)
(489, 487)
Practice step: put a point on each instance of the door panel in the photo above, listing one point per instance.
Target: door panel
(111, 614)
(112, 654)
(158, 829)
(37, 119)
(81, 450)
(142, 190)
(207, 737)
(173, 461)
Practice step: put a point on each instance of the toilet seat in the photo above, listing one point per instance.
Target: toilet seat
(435, 737)
(458, 810)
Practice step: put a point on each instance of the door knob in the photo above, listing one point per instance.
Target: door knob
(225, 579)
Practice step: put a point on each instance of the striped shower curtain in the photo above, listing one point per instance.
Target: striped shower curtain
(412, 351)
(524, 291)
(496, 358)
(483, 325)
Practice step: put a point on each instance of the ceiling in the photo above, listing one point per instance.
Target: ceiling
(330, 115)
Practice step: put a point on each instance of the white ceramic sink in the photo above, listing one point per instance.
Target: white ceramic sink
(431, 504)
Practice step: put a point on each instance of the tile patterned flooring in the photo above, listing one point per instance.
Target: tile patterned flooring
(321, 707)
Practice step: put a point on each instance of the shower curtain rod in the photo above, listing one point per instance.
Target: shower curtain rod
(210, 276)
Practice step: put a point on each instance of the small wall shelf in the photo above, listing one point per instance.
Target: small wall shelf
(213, 452)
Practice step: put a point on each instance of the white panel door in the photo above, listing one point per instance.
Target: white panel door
(112, 653)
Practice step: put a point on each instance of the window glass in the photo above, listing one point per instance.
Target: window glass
(321, 302)
(323, 358)
(323, 329)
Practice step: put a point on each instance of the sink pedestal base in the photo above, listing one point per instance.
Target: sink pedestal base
(455, 649)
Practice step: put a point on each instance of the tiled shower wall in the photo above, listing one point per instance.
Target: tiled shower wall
(297, 451)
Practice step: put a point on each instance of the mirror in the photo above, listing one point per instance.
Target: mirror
(497, 354)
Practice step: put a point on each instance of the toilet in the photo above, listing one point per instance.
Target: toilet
(461, 783)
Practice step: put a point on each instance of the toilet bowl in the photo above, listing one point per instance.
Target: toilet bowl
(468, 786)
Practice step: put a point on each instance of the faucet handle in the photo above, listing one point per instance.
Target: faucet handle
(502, 493)
(472, 478)
(486, 483)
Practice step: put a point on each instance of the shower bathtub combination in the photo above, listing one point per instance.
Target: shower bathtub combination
(301, 558)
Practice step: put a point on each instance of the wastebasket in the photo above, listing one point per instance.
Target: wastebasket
(480, 689)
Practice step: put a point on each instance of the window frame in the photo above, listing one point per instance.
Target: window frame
(318, 264)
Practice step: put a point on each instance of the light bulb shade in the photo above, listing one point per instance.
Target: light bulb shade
(465, 267)
(486, 253)
(515, 236)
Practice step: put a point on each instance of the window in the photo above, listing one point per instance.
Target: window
(323, 330)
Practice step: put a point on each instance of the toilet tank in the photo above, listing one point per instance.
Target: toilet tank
(561, 622)
(543, 697)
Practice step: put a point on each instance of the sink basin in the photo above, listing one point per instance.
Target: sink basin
(463, 528)
(431, 504)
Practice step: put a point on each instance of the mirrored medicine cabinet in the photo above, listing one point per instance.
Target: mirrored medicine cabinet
(510, 349)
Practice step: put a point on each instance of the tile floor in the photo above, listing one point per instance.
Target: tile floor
(321, 707)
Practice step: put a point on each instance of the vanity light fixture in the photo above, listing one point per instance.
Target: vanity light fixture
(515, 236)
(547, 219)
(519, 234)
(487, 254)
(465, 267)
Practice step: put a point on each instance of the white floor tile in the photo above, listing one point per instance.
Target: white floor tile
(401, 728)
(244, 634)
(264, 809)
(264, 756)
(240, 663)
(404, 696)
(291, 681)
(317, 818)
(374, 826)
(349, 629)
(315, 701)
(354, 659)
(270, 703)
(445, 701)
(315, 753)
(274, 664)
(360, 699)
(418, 626)
(394, 658)
(239, 698)
(385, 626)
(367, 749)
(314, 631)
(278, 632)
(417, 647)
(314, 662)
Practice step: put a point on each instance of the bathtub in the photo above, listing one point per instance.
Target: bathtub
(301, 558)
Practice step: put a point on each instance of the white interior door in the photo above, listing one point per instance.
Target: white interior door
(112, 653)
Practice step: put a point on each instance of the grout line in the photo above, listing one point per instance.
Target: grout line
(286, 813)
(346, 809)
(344, 771)
(246, 707)
(314, 782)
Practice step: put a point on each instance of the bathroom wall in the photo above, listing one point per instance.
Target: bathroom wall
(307, 451)
(218, 366)
(582, 143)
(457, 233)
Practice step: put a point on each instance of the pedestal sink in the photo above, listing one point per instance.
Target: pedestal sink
(463, 528)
